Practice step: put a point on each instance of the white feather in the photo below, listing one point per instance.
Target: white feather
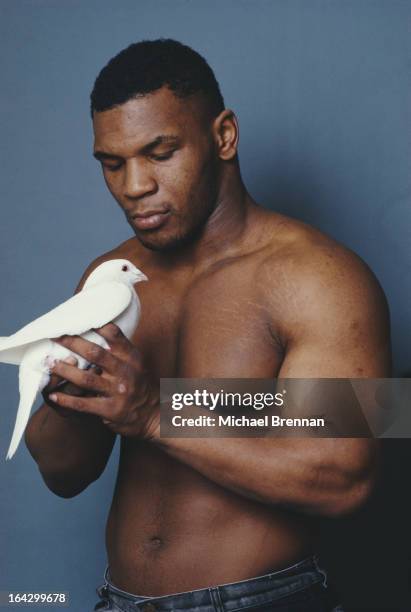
(107, 296)
(12, 355)
(90, 308)
(30, 383)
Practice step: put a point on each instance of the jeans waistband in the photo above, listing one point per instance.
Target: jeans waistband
(229, 597)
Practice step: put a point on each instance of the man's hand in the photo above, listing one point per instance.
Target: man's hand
(57, 383)
(123, 397)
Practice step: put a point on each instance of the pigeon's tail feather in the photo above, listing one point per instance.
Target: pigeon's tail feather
(30, 382)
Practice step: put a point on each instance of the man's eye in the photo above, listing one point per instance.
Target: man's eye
(110, 167)
(162, 156)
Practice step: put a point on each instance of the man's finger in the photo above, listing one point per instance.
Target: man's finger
(89, 350)
(99, 406)
(85, 379)
(117, 341)
(54, 382)
(71, 360)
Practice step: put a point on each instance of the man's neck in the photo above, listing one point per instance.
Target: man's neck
(223, 233)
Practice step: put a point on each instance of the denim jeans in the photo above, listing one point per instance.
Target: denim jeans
(301, 587)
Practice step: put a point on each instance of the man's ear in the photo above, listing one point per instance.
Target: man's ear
(226, 134)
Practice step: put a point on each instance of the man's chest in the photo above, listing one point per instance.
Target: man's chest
(214, 327)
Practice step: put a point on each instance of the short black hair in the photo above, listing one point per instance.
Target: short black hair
(146, 66)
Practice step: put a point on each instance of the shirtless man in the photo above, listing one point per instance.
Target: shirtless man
(234, 291)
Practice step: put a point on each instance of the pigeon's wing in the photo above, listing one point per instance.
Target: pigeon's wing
(13, 355)
(91, 308)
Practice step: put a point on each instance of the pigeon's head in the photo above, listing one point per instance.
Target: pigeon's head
(120, 270)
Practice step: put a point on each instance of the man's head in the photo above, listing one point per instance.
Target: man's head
(147, 66)
(162, 134)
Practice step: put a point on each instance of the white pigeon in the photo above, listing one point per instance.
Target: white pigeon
(108, 295)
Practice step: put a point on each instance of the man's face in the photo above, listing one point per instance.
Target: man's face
(160, 163)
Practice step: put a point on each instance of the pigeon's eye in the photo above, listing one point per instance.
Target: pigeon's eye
(125, 268)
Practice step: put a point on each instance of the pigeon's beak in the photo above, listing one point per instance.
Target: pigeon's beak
(141, 277)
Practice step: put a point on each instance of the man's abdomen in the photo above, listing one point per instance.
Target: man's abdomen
(170, 529)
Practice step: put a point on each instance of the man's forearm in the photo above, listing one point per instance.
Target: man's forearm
(71, 452)
(322, 476)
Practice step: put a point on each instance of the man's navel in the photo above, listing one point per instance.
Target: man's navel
(154, 543)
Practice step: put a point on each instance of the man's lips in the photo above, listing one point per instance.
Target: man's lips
(150, 220)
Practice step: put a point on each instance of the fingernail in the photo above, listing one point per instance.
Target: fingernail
(70, 360)
(53, 397)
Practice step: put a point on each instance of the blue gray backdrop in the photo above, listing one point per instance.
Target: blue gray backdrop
(321, 91)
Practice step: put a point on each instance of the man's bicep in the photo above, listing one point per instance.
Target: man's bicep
(316, 358)
(342, 332)
(346, 335)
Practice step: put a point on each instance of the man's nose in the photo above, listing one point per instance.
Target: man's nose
(138, 181)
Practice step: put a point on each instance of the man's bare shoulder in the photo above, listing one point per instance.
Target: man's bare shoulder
(299, 253)
(309, 279)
